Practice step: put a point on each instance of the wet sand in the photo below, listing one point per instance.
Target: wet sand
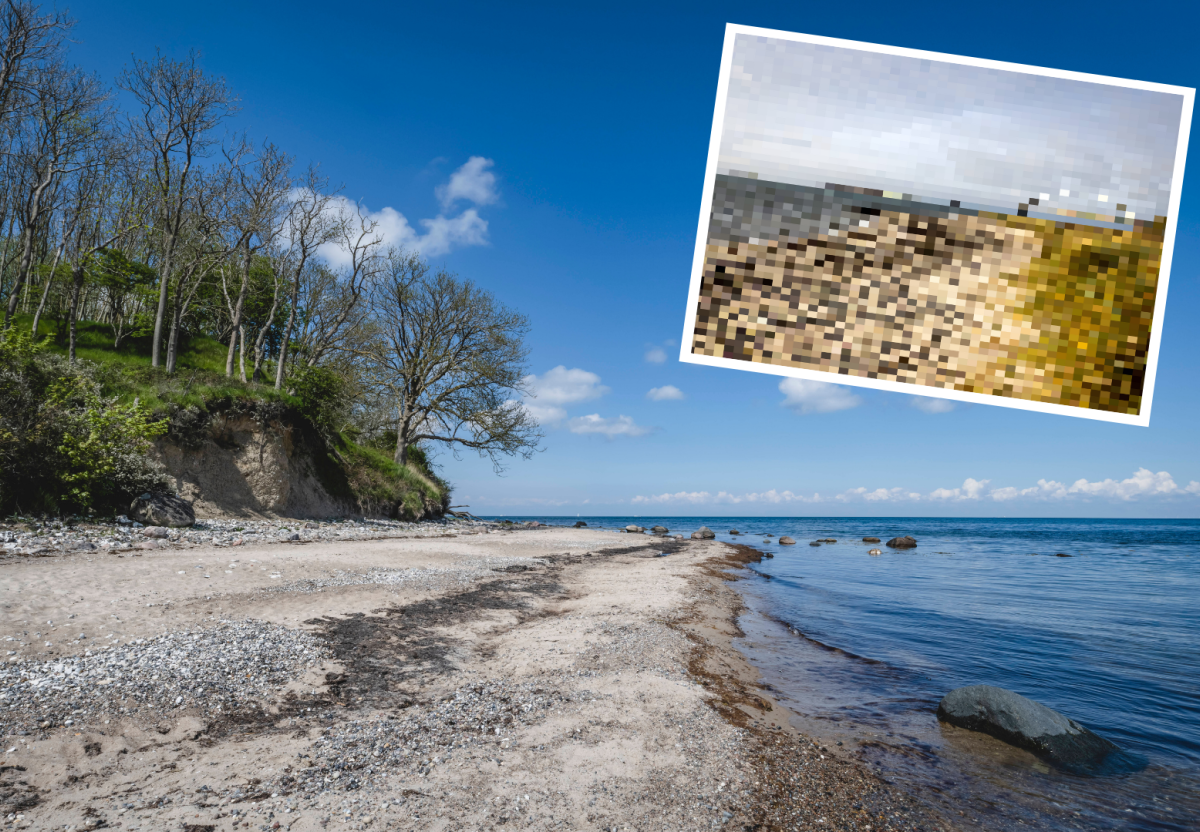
(533, 679)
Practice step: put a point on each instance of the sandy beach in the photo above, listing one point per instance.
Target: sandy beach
(481, 679)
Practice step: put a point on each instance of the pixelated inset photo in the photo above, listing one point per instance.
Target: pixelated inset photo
(935, 224)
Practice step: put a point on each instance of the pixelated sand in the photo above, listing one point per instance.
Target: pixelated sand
(1024, 307)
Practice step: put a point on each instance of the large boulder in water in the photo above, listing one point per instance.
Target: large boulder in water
(579, 524)
(703, 533)
(906, 542)
(1026, 724)
(162, 510)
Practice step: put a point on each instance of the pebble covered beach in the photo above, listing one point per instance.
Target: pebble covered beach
(455, 675)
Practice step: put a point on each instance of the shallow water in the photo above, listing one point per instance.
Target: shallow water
(862, 648)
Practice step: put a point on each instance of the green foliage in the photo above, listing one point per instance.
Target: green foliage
(99, 436)
(322, 396)
(116, 272)
(73, 437)
(383, 487)
(63, 446)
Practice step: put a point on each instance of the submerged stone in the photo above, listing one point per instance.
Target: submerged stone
(1019, 721)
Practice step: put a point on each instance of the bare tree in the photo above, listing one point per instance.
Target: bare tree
(65, 121)
(279, 270)
(310, 225)
(201, 248)
(27, 39)
(105, 209)
(451, 359)
(261, 189)
(331, 297)
(179, 109)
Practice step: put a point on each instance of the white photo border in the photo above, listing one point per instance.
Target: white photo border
(732, 30)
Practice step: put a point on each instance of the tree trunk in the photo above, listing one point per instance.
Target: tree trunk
(164, 281)
(26, 255)
(37, 316)
(77, 280)
(237, 316)
(287, 334)
(173, 340)
(242, 351)
(401, 443)
(403, 435)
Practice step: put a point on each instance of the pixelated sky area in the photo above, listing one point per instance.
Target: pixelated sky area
(808, 114)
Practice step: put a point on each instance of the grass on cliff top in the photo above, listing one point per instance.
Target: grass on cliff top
(199, 379)
(377, 480)
(126, 372)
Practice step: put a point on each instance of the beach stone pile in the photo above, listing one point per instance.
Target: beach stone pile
(428, 579)
(211, 670)
(357, 752)
(33, 537)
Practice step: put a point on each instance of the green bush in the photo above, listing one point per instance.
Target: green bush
(323, 398)
(64, 447)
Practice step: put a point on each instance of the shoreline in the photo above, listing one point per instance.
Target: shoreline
(536, 679)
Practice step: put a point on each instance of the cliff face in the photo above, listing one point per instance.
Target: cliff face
(245, 465)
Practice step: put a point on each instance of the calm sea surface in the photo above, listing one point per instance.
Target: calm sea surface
(861, 648)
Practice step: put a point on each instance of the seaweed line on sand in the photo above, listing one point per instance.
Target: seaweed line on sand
(797, 783)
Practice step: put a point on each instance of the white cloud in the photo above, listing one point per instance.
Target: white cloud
(1142, 483)
(557, 387)
(656, 355)
(472, 182)
(971, 489)
(724, 497)
(878, 495)
(609, 428)
(545, 414)
(439, 234)
(1044, 490)
(563, 386)
(666, 393)
(929, 404)
(806, 396)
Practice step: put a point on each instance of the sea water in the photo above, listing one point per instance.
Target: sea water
(861, 648)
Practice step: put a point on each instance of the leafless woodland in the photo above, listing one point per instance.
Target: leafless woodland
(140, 203)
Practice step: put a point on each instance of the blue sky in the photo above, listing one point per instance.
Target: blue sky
(596, 122)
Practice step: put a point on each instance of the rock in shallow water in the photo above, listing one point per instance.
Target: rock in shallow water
(703, 533)
(1026, 724)
(906, 542)
(786, 541)
(870, 540)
